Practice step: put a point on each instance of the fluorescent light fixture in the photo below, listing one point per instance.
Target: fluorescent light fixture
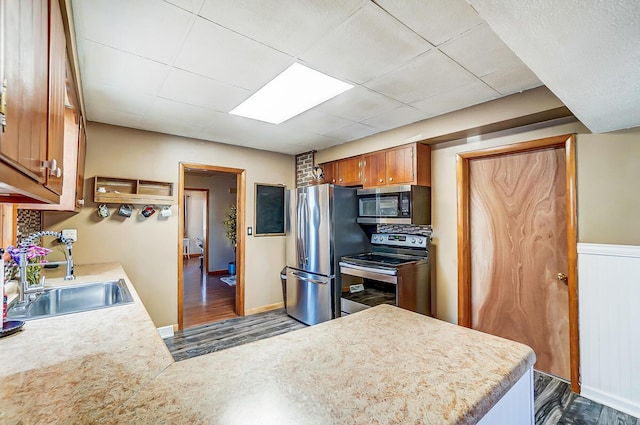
(294, 91)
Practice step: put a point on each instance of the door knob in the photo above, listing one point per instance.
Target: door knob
(562, 277)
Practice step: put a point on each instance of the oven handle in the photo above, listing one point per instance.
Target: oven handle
(308, 279)
(368, 269)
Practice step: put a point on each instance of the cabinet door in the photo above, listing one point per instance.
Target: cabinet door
(24, 139)
(57, 90)
(349, 171)
(329, 171)
(400, 165)
(373, 169)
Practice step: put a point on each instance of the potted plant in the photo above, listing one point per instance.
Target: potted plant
(230, 224)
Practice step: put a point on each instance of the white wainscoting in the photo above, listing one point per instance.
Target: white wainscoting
(609, 311)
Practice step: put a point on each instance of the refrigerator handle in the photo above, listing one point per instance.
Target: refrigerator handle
(308, 279)
(306, 240)
(300, 231)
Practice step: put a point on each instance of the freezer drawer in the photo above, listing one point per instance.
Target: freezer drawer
(309, 297)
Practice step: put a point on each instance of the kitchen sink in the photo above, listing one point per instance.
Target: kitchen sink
(73, 299)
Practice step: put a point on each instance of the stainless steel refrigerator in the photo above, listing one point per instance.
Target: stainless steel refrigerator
(321, 227)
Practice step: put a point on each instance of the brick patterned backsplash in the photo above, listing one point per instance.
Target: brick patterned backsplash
(304, 169)
(27, 222)
(405, 228)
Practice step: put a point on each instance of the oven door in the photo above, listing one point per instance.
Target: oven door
(379, 286)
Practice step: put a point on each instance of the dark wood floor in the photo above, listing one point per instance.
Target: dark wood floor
(554, 401)
(206, 299)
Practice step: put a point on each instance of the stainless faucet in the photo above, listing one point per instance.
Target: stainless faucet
(23, 287)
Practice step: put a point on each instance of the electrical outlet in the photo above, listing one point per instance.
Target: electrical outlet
(71, 234)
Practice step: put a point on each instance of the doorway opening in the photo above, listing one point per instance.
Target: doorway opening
(517, 248)
(210, 265)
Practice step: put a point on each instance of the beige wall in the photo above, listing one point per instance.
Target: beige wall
(148, 249)
(608, 187)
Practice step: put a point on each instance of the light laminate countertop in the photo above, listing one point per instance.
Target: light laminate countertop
(383, 365)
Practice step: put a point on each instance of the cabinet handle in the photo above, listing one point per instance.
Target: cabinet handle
(339, 180)
(380, 181)
(390, 179)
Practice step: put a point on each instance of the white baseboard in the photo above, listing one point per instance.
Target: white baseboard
(166, 331)
(611, 400)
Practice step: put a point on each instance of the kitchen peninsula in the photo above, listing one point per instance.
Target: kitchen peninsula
(383, 365)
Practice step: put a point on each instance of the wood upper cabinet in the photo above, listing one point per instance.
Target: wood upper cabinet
(24, 139)
(349, 171)
(344, 172)
(374, 169)
(57, 91)
(408, 164)
(329, 171)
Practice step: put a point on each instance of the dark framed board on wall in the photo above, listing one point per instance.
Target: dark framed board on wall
(269, 214)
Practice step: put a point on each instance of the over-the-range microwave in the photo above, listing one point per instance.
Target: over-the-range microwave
(407, 204)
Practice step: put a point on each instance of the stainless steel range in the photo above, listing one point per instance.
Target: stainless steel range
(396, 271)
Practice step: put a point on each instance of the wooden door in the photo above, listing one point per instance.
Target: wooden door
(400, 165)
(374, 170)
(518, 239)
(349, 171)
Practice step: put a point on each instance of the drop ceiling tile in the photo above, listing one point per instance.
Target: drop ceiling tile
(435, 20)
(115, 117)
(290, 27)
(429, 74)
(366, 45)
(192, 6)
(457, 98)
(194, 89)
(353, 132)
(481, 51)
(108, 98)
(358, 104)
(317, 122)
(397, 118)
(226, 56)
(148, 28)
(166, 127)
(103, 65)
(508, 81)
(176, 117)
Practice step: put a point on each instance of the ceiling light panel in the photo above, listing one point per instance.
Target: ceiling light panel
(292, 92)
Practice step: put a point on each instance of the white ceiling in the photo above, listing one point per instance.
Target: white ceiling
(587, 52)
(179, 66)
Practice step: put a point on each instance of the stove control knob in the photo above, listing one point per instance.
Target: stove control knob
(413, 240)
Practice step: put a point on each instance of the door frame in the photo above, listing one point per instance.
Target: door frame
(205, 245)
(240, 238)
(568, 141)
